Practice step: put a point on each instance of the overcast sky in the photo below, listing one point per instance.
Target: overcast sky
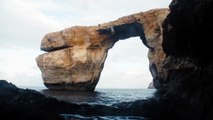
(24, 23)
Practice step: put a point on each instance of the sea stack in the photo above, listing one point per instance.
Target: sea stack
(75, 56)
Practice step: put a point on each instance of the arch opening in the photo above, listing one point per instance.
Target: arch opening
(127, 66)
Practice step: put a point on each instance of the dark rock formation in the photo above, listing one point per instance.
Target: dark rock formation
(25, 104)
(19, 104)
(186, 42)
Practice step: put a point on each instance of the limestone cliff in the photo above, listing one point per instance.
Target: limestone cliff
(75, 56)
(187, 40)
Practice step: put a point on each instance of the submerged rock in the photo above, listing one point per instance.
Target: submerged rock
(76, 55)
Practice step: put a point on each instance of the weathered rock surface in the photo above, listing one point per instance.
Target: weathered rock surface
(76, 55)
(186, 42)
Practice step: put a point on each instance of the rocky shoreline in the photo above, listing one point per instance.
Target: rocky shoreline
(25, 104)
(16, 103)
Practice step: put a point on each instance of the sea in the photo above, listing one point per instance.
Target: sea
(105, 97)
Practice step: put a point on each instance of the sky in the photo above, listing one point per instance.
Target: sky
(25, 22)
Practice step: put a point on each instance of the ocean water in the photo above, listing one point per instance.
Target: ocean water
(101, 96)
(80, 117)
(106, 97)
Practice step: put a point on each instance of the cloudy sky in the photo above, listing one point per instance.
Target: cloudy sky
(24, 23)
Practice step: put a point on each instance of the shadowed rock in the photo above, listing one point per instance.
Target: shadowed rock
(26, 104)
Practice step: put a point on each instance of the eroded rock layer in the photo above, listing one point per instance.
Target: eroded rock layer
(76, 55)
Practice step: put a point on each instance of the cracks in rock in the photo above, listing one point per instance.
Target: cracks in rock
(51, 49)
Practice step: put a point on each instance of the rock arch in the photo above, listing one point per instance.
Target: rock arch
(75, 56)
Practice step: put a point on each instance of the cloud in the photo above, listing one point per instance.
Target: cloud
(18, 66)
(24, 23)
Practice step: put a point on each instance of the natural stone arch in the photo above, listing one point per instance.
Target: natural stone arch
(76, 55)
(126, 66)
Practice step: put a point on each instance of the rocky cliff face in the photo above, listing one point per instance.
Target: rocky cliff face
(187, 35)
(75, 56)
